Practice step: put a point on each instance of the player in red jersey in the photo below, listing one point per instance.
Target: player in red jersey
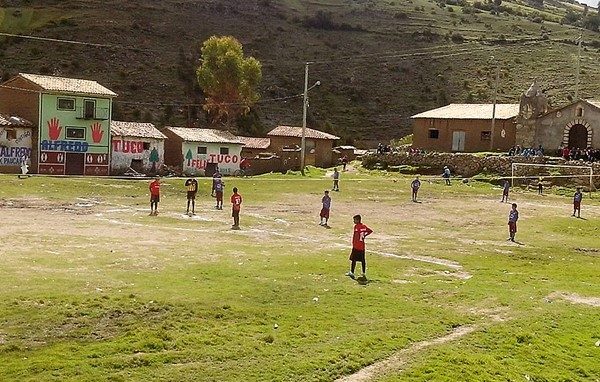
(358, 246)
(154, 196)
(236, 205)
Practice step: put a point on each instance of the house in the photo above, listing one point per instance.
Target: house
(254, 146)
(466, 127)
(71, 122)
(201, 151)
(319, 145)
(340, 152)
(576, 125)
(136, 146)
(15, 143)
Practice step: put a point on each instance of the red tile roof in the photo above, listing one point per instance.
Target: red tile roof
(255, 143)
(291, 131)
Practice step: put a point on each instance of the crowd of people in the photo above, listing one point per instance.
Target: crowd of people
(526, 151)
(575, 153)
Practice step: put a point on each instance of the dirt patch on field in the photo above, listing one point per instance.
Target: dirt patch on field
(574, 298)
(401, 358)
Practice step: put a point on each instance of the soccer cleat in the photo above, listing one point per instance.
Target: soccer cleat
(351, 275)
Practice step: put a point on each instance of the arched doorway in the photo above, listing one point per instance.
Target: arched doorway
(578, 136)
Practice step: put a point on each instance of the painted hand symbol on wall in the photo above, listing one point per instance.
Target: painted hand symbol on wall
(97, 132)
(54, 129)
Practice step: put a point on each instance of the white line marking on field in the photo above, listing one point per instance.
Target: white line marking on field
(401, 357)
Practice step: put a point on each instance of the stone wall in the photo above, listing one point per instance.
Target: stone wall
(469, 165)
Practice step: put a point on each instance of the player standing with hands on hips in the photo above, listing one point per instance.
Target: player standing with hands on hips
(577, 202)
(154, 196)
(513, 216)
(361, 231)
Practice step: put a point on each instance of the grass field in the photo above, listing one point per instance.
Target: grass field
(94, 289)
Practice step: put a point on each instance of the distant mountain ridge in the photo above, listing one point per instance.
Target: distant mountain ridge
(379, 61)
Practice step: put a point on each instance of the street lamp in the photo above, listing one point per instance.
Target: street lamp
(304, 109)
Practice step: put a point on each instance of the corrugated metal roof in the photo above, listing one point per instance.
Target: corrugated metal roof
(471, 111)
(15, 121)
(135, 129)
(68, 85)
(193, 134)
(291, 131)
(255, 143)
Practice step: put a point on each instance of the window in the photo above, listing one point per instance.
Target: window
(224, 151)
(89, 109)
(146, 145)
(201, 150)
(486, 135)
(66, 104)
(579, 111)
(11, 134)
(76, 133)
(434, 134)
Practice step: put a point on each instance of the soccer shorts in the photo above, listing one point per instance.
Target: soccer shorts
(325, 213)
(357, 255)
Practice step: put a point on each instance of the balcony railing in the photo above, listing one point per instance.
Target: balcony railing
(100, 113)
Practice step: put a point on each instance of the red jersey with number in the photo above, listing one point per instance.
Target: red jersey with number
(236, 201)
(358, 239)
(155, 188)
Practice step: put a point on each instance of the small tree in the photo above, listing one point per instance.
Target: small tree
(228, 79)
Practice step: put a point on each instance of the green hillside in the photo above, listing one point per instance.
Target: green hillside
(379, 61)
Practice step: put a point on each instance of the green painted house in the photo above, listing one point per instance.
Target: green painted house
(72, 118)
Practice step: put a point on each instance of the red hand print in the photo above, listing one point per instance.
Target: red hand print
(54, 129)
(97, 132)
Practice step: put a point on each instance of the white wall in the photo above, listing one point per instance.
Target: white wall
(13, 150)
(124, 149)
(194, 163)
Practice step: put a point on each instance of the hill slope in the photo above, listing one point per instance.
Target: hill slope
(379, 61)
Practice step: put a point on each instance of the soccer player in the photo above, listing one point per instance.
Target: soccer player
(358, 246)
(446, 175)
(513, 216)
(540, 185)
(336, 180)
(577, 202)
(217, 189)
(326, 200)
(154, 196)
(505, 190)
(192, 188)
(415, 185)
(236, 205)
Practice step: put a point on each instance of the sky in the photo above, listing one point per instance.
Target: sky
(591, 3)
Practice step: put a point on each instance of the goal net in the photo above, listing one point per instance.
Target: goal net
(532, 174)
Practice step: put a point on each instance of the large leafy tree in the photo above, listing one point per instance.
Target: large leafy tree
(228, 79)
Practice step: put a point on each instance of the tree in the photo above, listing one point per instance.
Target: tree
(228, 79)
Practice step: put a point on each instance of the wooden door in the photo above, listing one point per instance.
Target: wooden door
(74, 163)
(458, 141)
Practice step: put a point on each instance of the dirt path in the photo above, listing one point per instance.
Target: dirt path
(574, 298)
(402, 357)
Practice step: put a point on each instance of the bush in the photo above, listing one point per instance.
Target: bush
(457, 37)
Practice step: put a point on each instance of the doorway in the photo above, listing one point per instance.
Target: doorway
(578, 136)
(74, 163)
(458, 141)
(210, 169)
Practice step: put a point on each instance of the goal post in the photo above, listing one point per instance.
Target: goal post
(586, 172)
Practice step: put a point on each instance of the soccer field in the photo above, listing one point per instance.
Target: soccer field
(94, 289)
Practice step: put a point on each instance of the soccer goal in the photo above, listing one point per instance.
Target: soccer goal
(532, 173)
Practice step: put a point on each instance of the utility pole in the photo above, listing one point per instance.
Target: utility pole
(578, 67)
(304, 109)
(494, 106)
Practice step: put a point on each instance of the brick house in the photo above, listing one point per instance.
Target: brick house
(135, 145)
(254, 146)
(465, 127)
(15, 143)
(71, 122)
(319, 145)
(201, 151)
